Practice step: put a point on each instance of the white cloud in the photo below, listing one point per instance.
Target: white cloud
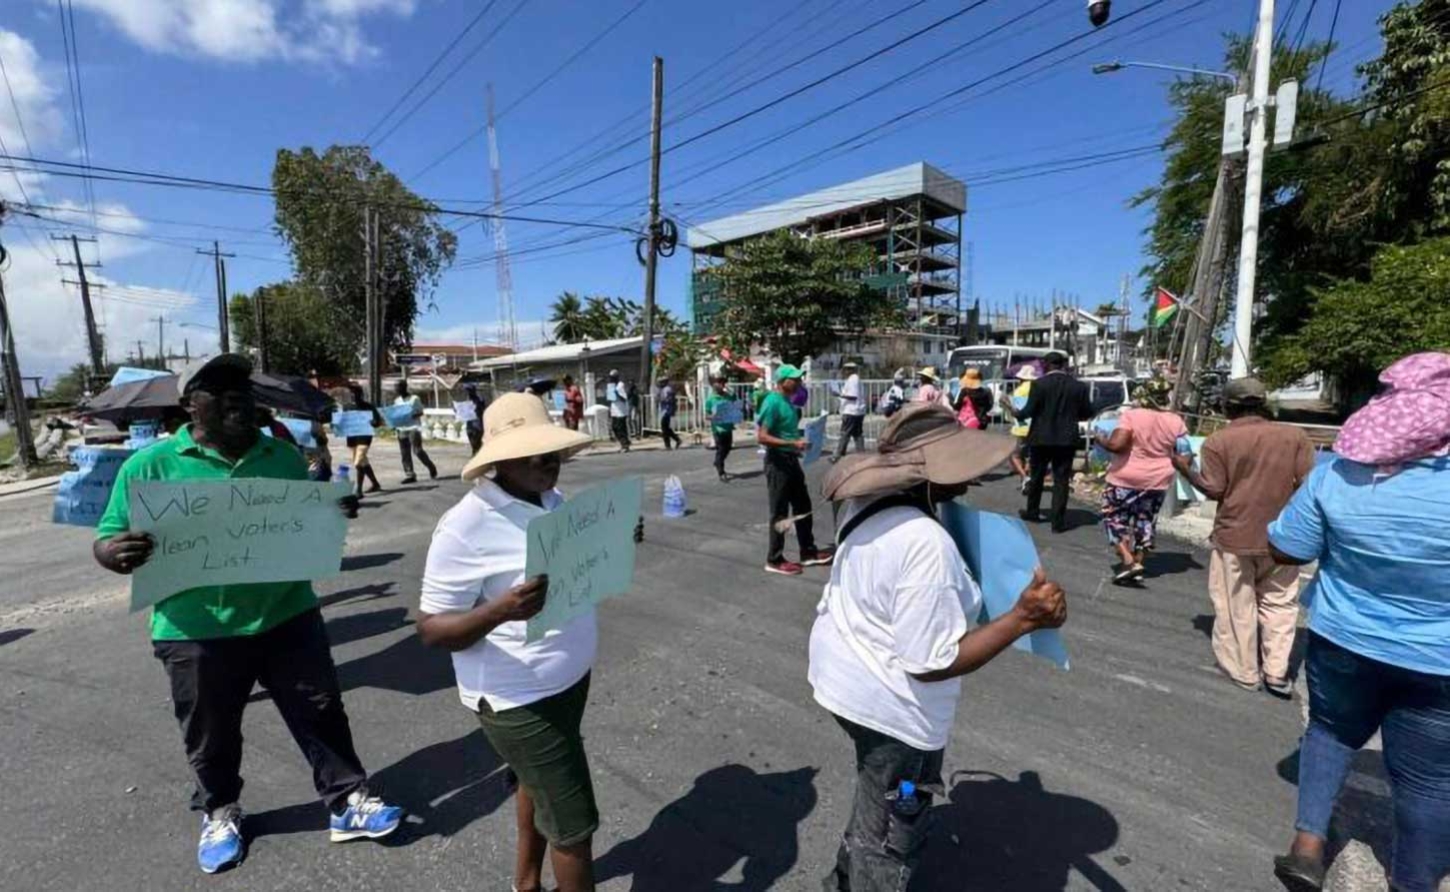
(38, 119)
(251, 30)
(531, 333)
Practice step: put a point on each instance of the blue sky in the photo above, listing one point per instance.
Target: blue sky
(212, 88)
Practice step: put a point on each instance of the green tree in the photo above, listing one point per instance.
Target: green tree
(567, 316)
(320, 202)
(306, 332)
(794, 296)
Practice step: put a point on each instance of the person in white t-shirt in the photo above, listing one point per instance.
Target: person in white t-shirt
(410, 435)
(853, 412)
(529, 697)
(616, 393)
(894, 631)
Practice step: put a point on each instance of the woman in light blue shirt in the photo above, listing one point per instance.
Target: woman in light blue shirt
(1377, 519)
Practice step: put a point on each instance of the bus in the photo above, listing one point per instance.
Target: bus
(994, 360)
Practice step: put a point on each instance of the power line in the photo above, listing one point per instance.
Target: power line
(1329, 47)
(77, 94)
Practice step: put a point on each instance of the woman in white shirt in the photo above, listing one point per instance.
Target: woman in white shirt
(893, 632)
(529, 697)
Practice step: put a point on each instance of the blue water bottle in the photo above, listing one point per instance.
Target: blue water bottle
(342, 473)
(904, 800)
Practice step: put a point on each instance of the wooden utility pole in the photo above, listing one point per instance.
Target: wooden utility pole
(93, 336)
(160, 321)
(224, 339)
(1198, 333)
(15, 409)
(651, 261)
(259, 307)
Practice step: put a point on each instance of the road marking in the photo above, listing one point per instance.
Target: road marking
(1143, 683)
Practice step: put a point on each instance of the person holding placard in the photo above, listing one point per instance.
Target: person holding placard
(361, 444)
(897, 627)
(720, 400)
(529, 697)
(217, 642)
(778, 429)
(410, 436)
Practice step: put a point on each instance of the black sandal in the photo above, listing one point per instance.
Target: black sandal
(1299, 874)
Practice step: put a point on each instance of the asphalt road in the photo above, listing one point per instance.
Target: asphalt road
(1140, 769)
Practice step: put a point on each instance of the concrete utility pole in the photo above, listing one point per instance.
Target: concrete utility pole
(160, 321)
(224, 339)
(370, 302)
(1253, 192)
(15, 409)
(259, 307)
(93, 337)
(651, 261)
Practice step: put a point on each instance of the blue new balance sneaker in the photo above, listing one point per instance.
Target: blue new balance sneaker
(366, 817)
(221, 845)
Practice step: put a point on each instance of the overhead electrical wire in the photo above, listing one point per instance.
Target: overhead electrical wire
(1329, 46)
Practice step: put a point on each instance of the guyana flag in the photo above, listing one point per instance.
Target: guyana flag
(1165, 307)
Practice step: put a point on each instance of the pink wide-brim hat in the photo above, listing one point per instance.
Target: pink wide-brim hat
(1409, 419)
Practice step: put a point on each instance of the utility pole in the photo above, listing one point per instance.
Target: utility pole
(160, 321)
(224, 340)
(370, 300)
(259, 307)
(651, 261)
(93, 337)
(1243, 329)
(15, 409)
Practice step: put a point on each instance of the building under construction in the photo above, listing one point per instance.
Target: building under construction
(910, 216)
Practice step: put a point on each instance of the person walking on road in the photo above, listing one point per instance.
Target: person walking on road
(573, 403)
(668, 403)
(617, 394)
(897, 628)
(1251, 468)
(529, 697)
(724, 431)
(853, 412)
(217, 642)
(974, 401)
(360, 445)
(1056, 405)
(1011, 405)
(410, 436)
(1378, 657)
(929, 387)
(474, 427)
(895, 396)
(778, 429)
(1143, 446)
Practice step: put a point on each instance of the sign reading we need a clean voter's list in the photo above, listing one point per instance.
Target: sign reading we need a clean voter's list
(226, 532)
(586, 547)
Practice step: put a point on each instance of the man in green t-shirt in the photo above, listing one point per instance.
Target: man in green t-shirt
(778, 429)
(216, 642)
(720, 399)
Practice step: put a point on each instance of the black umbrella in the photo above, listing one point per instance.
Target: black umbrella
(291, 393)
(135, 401)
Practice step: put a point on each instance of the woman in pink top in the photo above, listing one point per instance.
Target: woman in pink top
(1143, 446)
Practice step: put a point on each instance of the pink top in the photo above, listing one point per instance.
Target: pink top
(1148, 464)
(929, 393)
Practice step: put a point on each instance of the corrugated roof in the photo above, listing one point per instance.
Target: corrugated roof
(558, 353)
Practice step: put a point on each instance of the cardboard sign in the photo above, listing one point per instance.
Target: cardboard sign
(728, 413)
(815, 435)
(1002, 557)
(82, 494)
(353, 423)
(225, 532)
(398, 415)
(465, 411)
(586, 547)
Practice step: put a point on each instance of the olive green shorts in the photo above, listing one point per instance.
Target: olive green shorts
(541, 742)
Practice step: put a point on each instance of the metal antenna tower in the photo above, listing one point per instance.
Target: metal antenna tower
(508, 332)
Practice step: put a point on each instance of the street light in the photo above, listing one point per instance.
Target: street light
(1098, 11)
(1118, 65)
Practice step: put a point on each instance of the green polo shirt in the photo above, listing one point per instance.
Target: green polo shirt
(214, 611)
(779, 419)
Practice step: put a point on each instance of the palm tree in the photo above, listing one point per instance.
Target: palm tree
(567, 314)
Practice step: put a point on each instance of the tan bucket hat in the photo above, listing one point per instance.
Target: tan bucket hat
(922, 443)
(517, 425)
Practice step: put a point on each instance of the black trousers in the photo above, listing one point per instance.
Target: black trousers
(1059, 459)
(211, 681)
(724, 442)
(785, 480)
(410, 442)
(667, 431)
(851, 426)
(620, 428)
(475, 439)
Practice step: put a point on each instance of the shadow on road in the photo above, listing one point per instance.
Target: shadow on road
(357, 626)
(735, 829)
(369, 561)
(1171, 563)
(405, 666)
(369, 592)
(11, 635)
(1204, 623)
(1015, 835)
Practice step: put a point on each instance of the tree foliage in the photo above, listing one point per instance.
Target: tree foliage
(597, 318)
(320, 202)
(306, 332)
(794, 296)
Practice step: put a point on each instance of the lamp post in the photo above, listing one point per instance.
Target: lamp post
(1118, 65)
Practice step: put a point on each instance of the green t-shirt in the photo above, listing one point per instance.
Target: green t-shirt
(779, 419)
(713, 402)
(214, 611)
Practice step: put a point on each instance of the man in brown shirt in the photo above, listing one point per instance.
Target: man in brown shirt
(1251, 468)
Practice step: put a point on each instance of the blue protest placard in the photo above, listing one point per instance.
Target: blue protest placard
(586, 547)
(815, 435)
(81, 495)
(1098, 455)
(465, 411)
(223, 532)
(1185, 490)
(1002, 557)
(728, 413)
(301, 430)
(398, 415)
(353, 423)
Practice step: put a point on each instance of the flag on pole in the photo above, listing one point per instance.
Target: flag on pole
(1165, 307)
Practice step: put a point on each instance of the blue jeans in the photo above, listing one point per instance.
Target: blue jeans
(1351, 696)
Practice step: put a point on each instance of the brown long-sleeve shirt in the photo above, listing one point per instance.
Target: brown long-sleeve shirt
(1251, 468)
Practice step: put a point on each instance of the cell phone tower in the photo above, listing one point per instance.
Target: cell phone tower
(508, 333)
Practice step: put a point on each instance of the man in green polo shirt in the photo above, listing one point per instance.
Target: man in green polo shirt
(216, 642)
(778, 429)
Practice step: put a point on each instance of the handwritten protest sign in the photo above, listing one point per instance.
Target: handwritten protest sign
(353, 423)
(301, 430)
(815, 435)
(1002, 557)
(465, 411)
(223, 532)
(586, 548)
(82, 494)
(398, 415)
(728, 413)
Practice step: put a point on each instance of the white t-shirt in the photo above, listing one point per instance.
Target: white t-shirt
(852, 388)
(478, 553)
(409, 400)
(618, 395)
(899, 600)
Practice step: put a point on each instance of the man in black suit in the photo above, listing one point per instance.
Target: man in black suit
(1055, 406)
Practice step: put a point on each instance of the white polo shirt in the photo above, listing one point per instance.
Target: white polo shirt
(478, 553)
(852, 388)
(899, 600)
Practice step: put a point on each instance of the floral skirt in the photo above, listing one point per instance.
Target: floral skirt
(1132, 513)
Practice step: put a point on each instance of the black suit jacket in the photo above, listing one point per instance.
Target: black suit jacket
(1056, 404)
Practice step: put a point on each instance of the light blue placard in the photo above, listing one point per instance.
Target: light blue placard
(224, 532)
(398, 415)
(465, 411)
(728, 413)
(815, 434)
(1097, 454)
(126, 374)
(586, 548)
(1002, 557)
(352, 424)
(558, 400)
(1185, 490)
(81, 495)
(301, 430)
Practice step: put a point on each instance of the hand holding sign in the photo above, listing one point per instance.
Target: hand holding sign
(1042, 604)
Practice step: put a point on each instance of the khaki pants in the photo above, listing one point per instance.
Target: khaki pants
(1256, 609)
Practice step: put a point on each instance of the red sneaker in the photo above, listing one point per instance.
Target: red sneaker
(819, 558)
(784, 568)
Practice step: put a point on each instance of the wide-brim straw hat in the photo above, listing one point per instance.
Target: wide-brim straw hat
(930, 373)
(517, 425)
(922, 443)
